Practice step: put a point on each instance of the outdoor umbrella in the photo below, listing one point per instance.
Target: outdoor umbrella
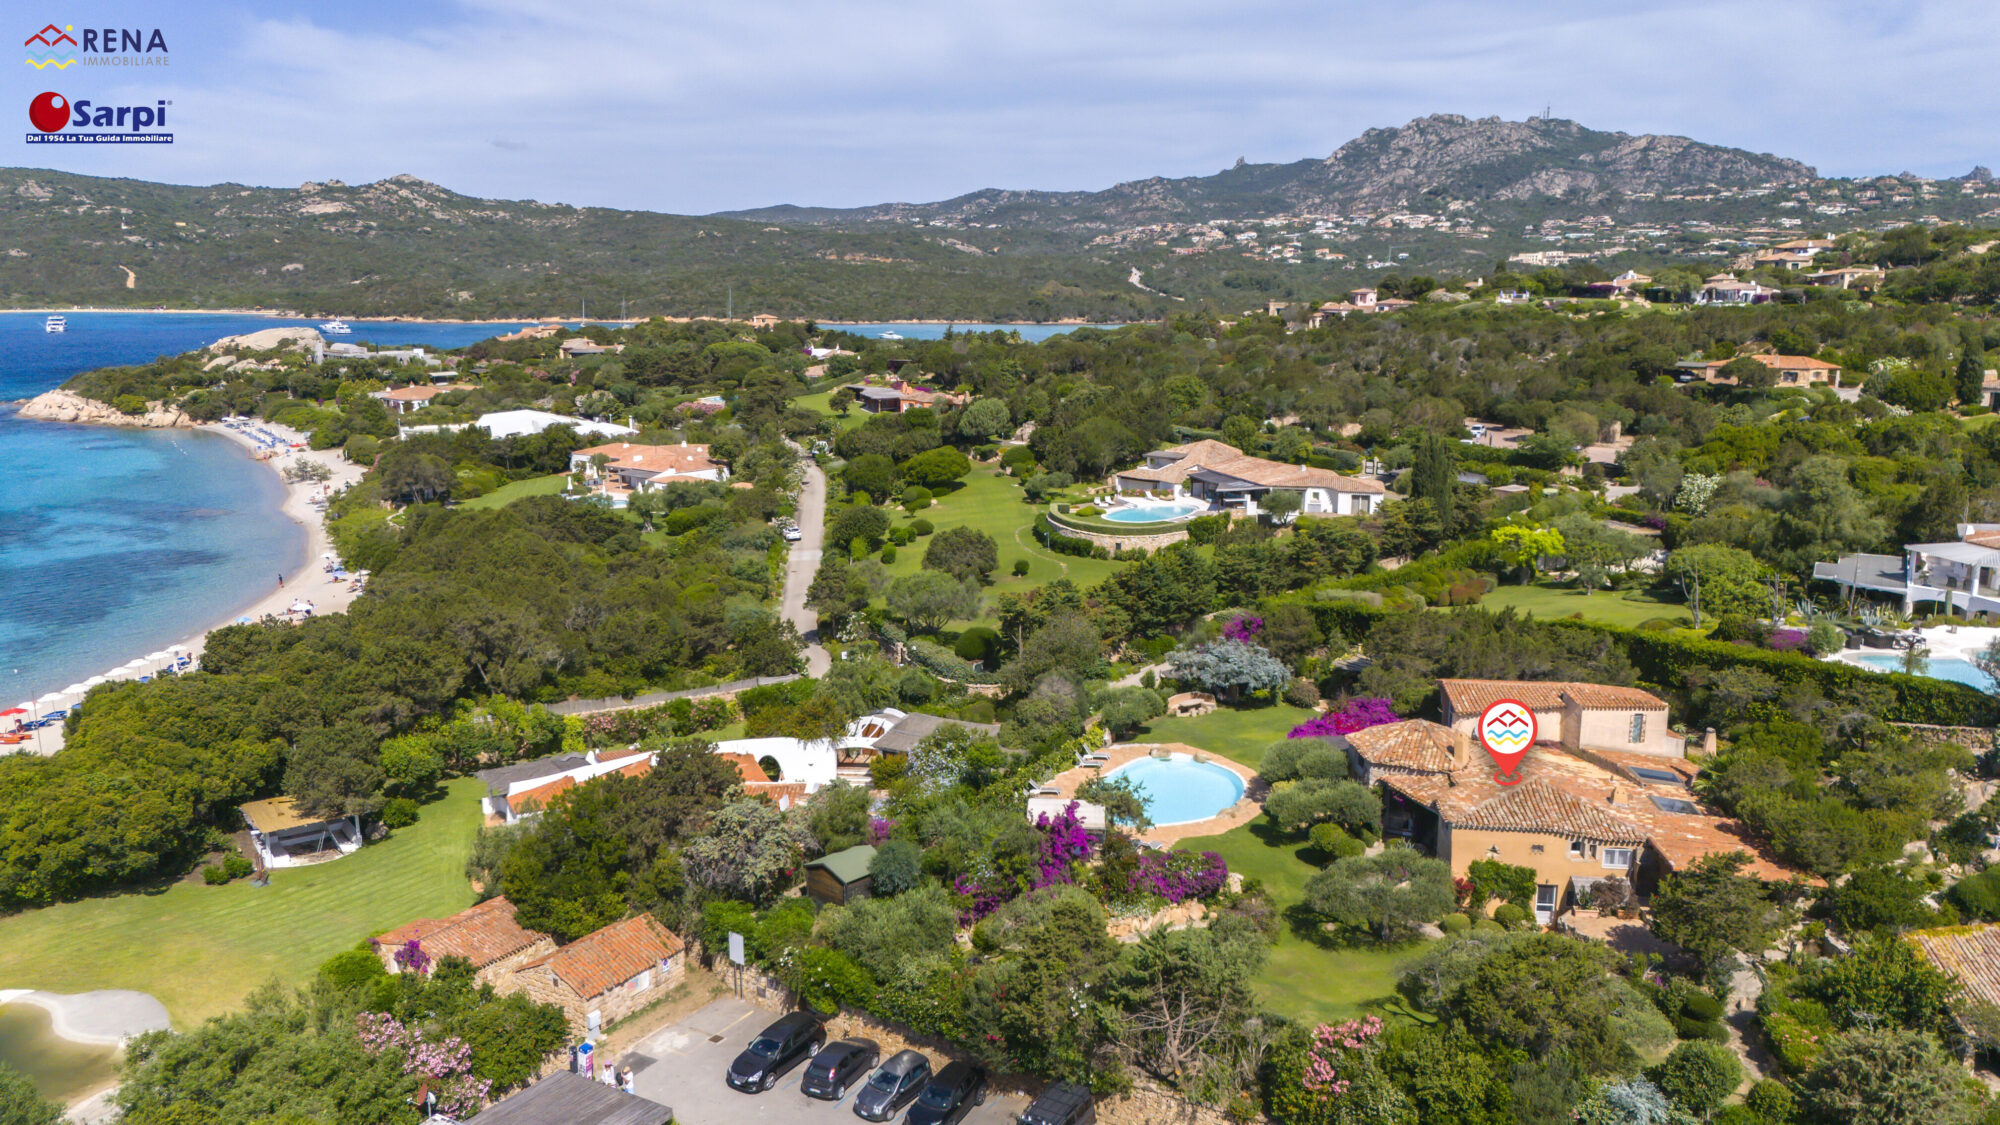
(13, 711)
(135, 663)
(93, 682)
(163, 654)
(52, 697)
(76, 689)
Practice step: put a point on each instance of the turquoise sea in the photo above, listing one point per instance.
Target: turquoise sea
(116, 543)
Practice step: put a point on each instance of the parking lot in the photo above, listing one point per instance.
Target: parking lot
(682, 1066)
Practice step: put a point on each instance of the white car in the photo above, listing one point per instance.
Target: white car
(792, 534)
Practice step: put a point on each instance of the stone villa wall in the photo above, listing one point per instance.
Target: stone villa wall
(1118, 542)
(540, 985)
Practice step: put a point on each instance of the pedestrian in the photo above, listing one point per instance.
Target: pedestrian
(626, 1084)
(610, 1075)
(281, 580)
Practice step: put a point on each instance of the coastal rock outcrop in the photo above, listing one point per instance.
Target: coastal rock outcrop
(67, 406)
(301, 339)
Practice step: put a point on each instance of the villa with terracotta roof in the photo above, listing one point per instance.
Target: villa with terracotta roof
(1791, 370)
(1230, 480)
(1606, 791)
(602, 977)
(405, 400)
(1577, 716)
(901, 395)
(486, 935)
(1971, 954)
(630, 467)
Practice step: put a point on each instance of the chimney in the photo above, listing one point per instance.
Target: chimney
(1461, 750)
(1617, 796)
(1708, 743)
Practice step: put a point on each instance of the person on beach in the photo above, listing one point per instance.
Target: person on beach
(281, 580)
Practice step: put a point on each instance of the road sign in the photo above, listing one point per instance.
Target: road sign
(735, 948)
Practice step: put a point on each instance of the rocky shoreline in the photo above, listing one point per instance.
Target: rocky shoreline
(62, 405)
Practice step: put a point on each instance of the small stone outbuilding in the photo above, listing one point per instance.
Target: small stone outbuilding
(841, 877)
(486, 935)
(602, 977)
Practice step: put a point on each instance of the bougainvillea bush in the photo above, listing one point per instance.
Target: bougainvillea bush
(1179, 876)
(1064, 842)
(1359, 714)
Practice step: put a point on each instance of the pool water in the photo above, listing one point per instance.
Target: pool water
(1940, 668)
(1152, 513)
(60, 1069)
(1179, 789)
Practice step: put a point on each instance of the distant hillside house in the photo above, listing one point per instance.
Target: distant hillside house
(1229, 480)
(602, 977)
(486, 935)
(578, 346)
(1722, 289)
(632, 468)
(285, 836)
(1789, 370)
(408, 400)
(899, 395)
(1847, 278)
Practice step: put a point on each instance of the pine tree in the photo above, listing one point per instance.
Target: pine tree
(1434, 473)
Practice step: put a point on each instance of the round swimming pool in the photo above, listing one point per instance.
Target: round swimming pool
(1178, 789)
(1152, 513)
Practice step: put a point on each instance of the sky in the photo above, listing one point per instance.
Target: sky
(670, 106)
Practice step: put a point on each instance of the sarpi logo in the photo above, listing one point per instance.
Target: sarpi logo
(58, 120)
(51, 37)
(99, 46)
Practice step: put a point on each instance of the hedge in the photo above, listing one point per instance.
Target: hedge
(943, 663)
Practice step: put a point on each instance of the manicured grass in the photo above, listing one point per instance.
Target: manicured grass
(992, 503)
(508, 493)
(1308, 975)
(1239, 734)
(822, 403)
(201, 949)
(1612, 607)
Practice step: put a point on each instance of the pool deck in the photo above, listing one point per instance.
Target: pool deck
(1242, 812)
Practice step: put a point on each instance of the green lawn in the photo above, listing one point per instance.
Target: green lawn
(822, 403)
(508, 493)
(201, 949)
(1612, 607)
(1307, 975)
(1239, 734)
(992, 503)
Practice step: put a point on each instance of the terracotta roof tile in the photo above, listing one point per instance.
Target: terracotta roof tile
(1470, 697)
(540, 796)
(598, 962)
(1416, 744)
(481, 934)
(1970, 953)
(1613, 697)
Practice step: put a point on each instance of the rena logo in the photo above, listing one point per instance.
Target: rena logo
(51, 114)
(50, 37)
(56, 47)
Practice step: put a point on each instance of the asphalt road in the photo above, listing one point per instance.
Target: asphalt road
(682, 1066)
(803, 562)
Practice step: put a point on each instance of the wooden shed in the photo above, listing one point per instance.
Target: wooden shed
(842, 876)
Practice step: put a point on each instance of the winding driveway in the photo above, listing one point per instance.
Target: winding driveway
(803, 563)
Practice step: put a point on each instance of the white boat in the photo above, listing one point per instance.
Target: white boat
(55, 324)
(888, 335)
(335, 326)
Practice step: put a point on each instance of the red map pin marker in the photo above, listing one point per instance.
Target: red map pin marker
(1507, 729)
(49, 112)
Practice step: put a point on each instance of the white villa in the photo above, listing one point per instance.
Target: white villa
(632, 467)
(1963, 575)
(283, 836)
(1230, 480)
(520, 423)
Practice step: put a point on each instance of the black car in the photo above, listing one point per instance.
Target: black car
(839, 1066)
(1064, 1103)
(950, 1096)
(892, 1087)
(777, 1049)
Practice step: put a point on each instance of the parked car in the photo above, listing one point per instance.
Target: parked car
(792, 534)
(950, 1096)
(839, 1066)
(892, 1087)
(1064, 1103)
(775, 1050)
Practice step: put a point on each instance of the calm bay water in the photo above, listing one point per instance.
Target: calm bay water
(115, 543)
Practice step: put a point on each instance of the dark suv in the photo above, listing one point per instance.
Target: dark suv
(892, 1087)
(1064, 1103)
(839, 1066)
(950, 1096)
(777, 1049)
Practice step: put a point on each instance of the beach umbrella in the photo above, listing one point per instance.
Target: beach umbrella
(93, 682)
(160, 655)
(21, 710)
(76, 689)
(243, 621)
(52, 697)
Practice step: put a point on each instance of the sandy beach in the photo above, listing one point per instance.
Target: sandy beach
(311, 583)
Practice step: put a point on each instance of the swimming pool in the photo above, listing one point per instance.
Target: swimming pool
(1153, 513)
(1940, 668)
(1178, 789)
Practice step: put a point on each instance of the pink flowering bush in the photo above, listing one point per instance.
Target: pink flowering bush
(1064, 842)
(1335, 1051)
(1179, 876)
(1359, 714)
(447, 1062)
(1245, 628)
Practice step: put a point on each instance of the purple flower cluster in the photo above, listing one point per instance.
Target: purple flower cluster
(1179, 876)
(447, 1061)
(1064, 841)
(411, 958)
(1244, 628)
(1359, 714)
(879, 829)
(1787, 640)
